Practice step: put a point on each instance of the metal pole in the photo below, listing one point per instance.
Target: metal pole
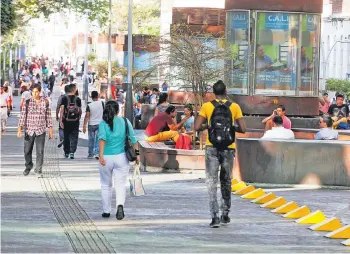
(86, 80)
(109, 91)
(129, 97)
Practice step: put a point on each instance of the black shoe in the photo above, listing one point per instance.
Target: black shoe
(120, 213)
(66, 155)
(38, 171)
(106, 215)
(26, 172)
(60, 144)
(71, 155)
(215, 223)
(225, 219)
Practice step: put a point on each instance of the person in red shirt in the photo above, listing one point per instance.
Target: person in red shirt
(279, 111)
(162, 127)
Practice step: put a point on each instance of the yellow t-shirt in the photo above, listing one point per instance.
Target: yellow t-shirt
(208, 109)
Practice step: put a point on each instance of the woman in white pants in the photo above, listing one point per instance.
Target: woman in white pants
(113, 162)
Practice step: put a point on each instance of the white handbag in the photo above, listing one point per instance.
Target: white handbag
(136, 186)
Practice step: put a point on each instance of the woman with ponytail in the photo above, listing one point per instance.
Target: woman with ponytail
(162, 104)
(113, 162)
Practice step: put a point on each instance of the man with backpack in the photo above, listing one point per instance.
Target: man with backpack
(70, 113)
(34, 119)
(93, 116)
(219, 116)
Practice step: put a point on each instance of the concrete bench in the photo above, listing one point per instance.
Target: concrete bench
(300, 133)
(159, 157)
(294, 161)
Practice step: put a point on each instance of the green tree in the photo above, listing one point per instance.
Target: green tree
(339, 85)
(7, 17)
(35, 8)
(146, 16)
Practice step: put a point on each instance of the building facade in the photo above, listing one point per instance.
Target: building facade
(335, 41)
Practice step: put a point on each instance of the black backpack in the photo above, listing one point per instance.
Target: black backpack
(221, 130)
(72, 113)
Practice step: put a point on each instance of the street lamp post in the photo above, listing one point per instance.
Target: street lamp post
(129, 97)
(325, 62)
(85, 79)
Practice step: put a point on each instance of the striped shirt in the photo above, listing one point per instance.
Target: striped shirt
(38, 118)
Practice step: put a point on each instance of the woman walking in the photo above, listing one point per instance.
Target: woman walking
(114, 164)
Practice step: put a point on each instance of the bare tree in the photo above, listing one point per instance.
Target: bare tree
(193, 59)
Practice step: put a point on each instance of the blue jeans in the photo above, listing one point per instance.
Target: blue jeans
(93, 139)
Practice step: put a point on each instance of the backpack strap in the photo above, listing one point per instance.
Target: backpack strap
(228, 104)
(215, 103)
(103, 105)
(26, 117)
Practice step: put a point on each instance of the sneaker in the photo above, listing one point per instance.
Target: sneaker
(40, 171)
(120, 213)
(106, 215)
(215, 223)
(225, 219)
(66, 155)
(90, 157)
(71, 155)
(26, 172)
(97, 157)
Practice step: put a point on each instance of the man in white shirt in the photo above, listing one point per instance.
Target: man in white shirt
(278, 131)
(4, 108)
(93, 116)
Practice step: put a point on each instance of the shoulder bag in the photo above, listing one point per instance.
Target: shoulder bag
(129, 149)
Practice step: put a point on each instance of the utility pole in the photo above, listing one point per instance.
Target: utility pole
(109, 88)
(85, 79)
(129, 97)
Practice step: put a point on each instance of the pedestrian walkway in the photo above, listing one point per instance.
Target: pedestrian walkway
(61, 212)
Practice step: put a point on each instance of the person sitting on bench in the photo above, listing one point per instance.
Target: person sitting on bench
(162, 127)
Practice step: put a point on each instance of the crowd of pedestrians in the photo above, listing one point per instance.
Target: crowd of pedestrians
(107, 130)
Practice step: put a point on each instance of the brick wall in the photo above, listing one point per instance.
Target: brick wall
(337, 6)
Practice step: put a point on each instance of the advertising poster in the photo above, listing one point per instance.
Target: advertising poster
(276, 53)
(237, 37)
(308, 54)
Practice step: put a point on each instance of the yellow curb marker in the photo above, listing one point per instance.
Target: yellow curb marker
(312, 218)
(264, 199)
(254, 194)
(245, 190)
(234, 181)
(290, 206)
(277, 202)
(298, 213)
(238, 186)
(346, 242)
(327, 225)
(340, 233)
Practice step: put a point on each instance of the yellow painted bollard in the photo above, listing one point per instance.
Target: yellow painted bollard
(277, 202)
(234, 181)
(346, 242)
(264, 199)
(254, 194)
(327, 225)
(298, 213)
(312, 218)
(340, 233)
(290, 206)
(238, 186)
(245, 190)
